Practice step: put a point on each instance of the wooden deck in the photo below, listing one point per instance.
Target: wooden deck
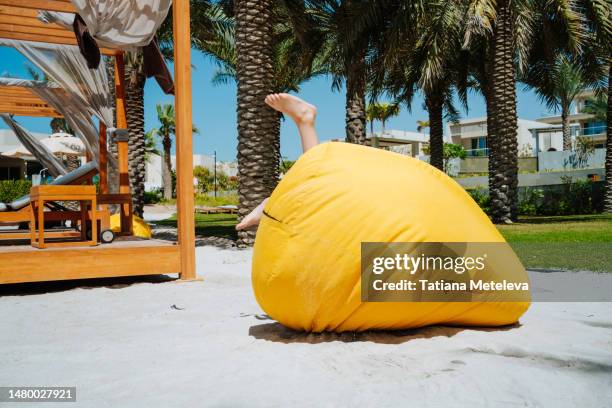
(124, 257)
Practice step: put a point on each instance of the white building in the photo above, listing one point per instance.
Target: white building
(153, 180)
(472, 135)
(15, 169)
(400, 141)
(581, 124)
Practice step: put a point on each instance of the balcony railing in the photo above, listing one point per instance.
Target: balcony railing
(478, 152)
(589, 131)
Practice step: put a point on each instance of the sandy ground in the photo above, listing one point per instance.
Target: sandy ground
(158, 212)
(208, 343)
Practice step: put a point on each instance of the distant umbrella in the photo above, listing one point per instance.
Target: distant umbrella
(57, 143)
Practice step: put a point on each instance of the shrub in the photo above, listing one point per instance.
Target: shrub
(13, 189)
(152, 197)
(481, 196)
(529, 200)
(569, 198)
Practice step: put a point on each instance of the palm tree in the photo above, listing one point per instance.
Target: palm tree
(501, 36)
(608, 189)
(421, 51)
(113, 171)
(382, 112)
(216, 34)
(151, 144)
(166, 117)
(557, 85)
(599, 47)
(135, 79)
(422, 125)
(386, 112)
(257, 123)
(372, 115)
(598, 107)
(331, 30)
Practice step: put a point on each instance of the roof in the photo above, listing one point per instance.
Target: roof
(19, 21)
(8, 140)
(400, 136)
(557, 119)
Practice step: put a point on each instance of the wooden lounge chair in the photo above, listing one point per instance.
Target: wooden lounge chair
(18, 211)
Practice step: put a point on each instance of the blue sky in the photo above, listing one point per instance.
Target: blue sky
(214, 109)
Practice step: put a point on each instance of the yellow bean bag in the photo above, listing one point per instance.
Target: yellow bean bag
(306, 260)
(140, 228)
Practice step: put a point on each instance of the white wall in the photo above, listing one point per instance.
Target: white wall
(526, 140)
(154, 168)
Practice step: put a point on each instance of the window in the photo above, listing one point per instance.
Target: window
(594, 127)
(479, 143)
(10, 173)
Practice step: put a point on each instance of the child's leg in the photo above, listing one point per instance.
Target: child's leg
(303, 114)
(253, 217)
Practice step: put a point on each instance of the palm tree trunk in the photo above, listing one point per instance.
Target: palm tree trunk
(436, 139)
(258, 143)
(167, 167)
(113, 172)
(565, 126)
(608, 183)
(355, 101)
(503, 156)
(134, 95)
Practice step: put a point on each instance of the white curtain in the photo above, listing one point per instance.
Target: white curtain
(34, 146)
(65, 65)
(116, 23)
(76, 114)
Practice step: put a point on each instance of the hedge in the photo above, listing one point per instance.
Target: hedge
(13, 189)
(569, 198)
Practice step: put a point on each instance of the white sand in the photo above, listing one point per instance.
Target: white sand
(126, 347)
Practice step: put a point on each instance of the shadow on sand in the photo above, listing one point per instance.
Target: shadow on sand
(278, 333)
(37, 288)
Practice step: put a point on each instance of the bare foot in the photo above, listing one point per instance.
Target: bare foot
(301, 112)
(253, 217)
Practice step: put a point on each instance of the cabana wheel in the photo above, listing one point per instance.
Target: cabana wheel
(107, 236)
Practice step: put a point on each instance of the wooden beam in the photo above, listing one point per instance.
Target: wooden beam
(51, 5)
(34, 112)
(30, 21)
(17, 11)
(50, 39)
(15, 89)
(103, 161)
(18, 103)
(184, 141)
(24, 29)
(117, 259)
(16, 97)
(122, 146)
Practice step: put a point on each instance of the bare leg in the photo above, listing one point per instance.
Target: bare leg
(303, 114)
(253, 217)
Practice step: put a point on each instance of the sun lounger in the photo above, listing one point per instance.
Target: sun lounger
(74, 177)
(18, 211)
(222, 209)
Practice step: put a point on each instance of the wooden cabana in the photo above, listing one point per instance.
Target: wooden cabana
(20, 101)
(124, 257)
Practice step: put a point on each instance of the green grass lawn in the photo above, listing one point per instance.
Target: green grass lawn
(210, 225)
(581, 242)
